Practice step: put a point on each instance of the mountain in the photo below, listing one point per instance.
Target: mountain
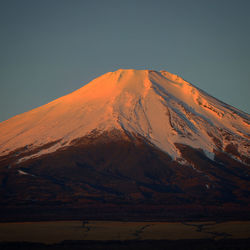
(128, 143)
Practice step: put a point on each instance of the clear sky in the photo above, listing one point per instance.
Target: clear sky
(49, 48)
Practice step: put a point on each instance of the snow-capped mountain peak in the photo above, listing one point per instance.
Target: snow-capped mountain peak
(158, 106)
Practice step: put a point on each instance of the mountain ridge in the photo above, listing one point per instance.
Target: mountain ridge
(130, 144)
(130, 100)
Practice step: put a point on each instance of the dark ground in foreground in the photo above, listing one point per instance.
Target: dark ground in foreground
(125, 212)
(230, 244)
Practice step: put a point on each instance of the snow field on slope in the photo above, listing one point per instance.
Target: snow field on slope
(160, 106)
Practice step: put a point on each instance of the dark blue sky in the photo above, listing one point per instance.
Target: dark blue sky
(49, 48)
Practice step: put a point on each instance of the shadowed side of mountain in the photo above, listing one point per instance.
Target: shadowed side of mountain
(115, 174)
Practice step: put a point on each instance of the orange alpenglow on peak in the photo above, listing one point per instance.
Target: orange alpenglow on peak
(159, 106)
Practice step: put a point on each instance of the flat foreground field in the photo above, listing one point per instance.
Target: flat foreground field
(58, 231)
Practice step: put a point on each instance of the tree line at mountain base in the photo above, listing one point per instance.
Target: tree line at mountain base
(228, 244)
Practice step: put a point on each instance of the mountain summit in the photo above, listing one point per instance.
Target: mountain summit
(159, 106)
(129, 136)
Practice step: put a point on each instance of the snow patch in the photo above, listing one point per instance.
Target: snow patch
(209, 154)
(21, 172)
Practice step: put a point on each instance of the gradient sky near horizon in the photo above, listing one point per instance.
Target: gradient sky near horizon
(49, 48)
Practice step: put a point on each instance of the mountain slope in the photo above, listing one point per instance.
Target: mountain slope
(159, 106)
(130, 138)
